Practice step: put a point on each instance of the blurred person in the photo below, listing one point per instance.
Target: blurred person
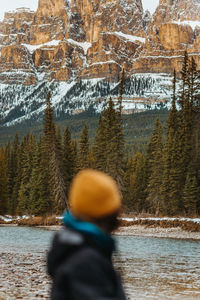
(80, 258)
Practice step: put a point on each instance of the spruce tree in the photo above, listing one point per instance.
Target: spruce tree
(69, 158)
(34, 192)
(9, 167)
(184, 80)
(109, 143)
(135, 184)
(155, 169)
(83, 154)
(114, 143)
(55, 161)
(193, 83)
(3, 183)
(18, 177)
(99, 148)
(129, 184)
(13, 174)
(24, 205)
(190, 194)
(186, 133)
(171, 180)
(40, 203)
(45, 202)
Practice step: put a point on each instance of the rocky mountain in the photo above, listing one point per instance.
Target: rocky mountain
(77, 49)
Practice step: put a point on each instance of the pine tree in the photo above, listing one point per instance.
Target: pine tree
(155, 169)
(190, 194)
(114, 143)
(24, 205)
(44, 189)
(83, 154)
(59, 137)
(129, 184)
(69, 158)
(40, 203)
(55, 159)
(141, 184)
(9, 163)
(109, 143)
(135, 184)
(34, 192)
(99, 148)
(49, 126)
(194, 76)
(13, 174)
(18, 177)
(120, 137)
(3, 183)
(171, 181)
(74, 155)
(184, 80)
(186, 125)
(193, 83)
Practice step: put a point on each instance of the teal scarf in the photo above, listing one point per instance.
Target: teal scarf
(102, 239)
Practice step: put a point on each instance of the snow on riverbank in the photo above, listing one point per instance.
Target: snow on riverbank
(195, 220)
(165, 227)
(9, 218)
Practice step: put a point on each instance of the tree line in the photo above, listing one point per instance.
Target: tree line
(35, 175)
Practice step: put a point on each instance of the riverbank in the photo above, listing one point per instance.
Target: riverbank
(178, 228)
(157, 232)
(144, 231)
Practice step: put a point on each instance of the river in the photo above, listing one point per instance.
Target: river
(152, 268)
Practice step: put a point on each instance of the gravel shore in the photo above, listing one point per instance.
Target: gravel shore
(158, 232)
(148, 231)
(23, 277)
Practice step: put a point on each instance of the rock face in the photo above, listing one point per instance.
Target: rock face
(92, 38)
(83, 38)
(174, 28)
(74, 40)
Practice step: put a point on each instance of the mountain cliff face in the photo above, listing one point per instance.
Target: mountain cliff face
(72, 41)
(174, 28)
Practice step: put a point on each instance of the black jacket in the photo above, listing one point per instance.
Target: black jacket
(81, 269)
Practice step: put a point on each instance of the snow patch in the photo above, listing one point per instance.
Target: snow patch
(20, 10)
(61, 91)
(130, 38)
(192, 24)
(32, 48)
(105, 62)
(84, 45)
(8, 218)
(194, 220)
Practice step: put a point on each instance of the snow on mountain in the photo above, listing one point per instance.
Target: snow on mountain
(77, 50)
(141, 92)
(192, 24)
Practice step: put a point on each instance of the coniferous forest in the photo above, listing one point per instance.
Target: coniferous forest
(35, 174)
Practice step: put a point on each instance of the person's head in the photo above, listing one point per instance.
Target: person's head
(94, 197)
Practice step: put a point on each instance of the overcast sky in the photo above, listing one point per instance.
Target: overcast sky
(7, 5)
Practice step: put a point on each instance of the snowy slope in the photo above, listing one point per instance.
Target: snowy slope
(22, 102)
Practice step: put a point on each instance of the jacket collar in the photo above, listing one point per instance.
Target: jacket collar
(101, 239)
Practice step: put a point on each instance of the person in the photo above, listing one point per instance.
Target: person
(80, 257)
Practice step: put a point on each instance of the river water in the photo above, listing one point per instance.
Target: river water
(152, 268)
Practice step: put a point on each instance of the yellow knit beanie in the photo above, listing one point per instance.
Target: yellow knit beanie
(94, 194)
